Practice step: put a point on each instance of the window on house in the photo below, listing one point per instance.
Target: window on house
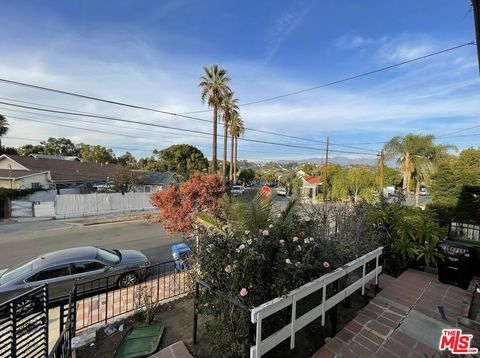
(147, 189)
(36, 185)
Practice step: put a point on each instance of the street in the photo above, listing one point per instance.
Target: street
(23, 241)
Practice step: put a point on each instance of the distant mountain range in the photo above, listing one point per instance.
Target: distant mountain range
(335, 160)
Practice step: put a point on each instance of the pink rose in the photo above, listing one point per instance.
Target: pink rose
(326, 264)
(243, 292)
(228, 269)
(282, 242)
(265, 232)
(295, 239)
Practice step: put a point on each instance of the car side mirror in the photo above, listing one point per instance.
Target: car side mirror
(107, 268)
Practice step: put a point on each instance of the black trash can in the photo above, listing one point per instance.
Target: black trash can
(457, 265)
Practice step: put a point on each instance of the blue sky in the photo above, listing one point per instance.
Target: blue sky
(151, 53)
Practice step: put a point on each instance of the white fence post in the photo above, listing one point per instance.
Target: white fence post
(376, 270)
(258, 338)
(324, 297)
(292, 327)
(363, 278)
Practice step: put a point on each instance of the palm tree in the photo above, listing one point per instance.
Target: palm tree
(229, 107)
(214, 84)
(237, 129)
(415, 154)
(3, 128)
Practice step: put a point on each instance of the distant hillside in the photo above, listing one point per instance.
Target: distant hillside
(336, 160)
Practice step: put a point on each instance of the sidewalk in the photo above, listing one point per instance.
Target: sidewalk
(84, 221)
(404, 320)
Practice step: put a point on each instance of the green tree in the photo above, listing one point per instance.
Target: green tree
(60, 146)
(96, 154)
(237, 129)
(4, 127)
(31, 149)
(125, 180)
(392, 176)
(413, 149)
(452, 183)
(214, 85)
(127, 159)
(229, 108)
(184, 159)
(246, 175)
(354, 184)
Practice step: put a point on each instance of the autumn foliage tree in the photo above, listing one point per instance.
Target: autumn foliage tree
(179, 204)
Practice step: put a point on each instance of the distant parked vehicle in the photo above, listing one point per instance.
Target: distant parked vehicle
(181, 254)
(237, 190)
(61, 269)
(423, 191)
(281, 191)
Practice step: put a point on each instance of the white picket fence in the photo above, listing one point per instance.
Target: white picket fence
(77, 205)
(258, 314)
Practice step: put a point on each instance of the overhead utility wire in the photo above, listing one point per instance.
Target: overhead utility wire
(103, 124)
(95, 130)
(23, 84)
(177, 129)
(328, 84)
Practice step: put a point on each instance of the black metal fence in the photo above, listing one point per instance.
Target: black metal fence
(67, 314)
(24, 325)
(104, 298)
(464, 231)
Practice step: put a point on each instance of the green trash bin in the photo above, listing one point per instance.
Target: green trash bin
(140, 342)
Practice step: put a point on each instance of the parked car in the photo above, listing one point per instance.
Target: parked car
(423, 191)
(237, 190)
(61, 269)
(281, 191)
(181, 254)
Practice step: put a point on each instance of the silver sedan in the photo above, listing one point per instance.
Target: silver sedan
(61, 269)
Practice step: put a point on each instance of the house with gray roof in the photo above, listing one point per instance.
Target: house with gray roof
(155, 181)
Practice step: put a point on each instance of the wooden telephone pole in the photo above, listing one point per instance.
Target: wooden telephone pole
(382, 167)
(325, 184)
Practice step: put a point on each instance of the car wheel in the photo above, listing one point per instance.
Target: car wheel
(128, 279)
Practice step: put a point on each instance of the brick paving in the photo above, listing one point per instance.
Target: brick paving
(380, 329)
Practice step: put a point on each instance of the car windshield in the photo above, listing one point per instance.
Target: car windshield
(236, 188)
(16, 272)
(110, 257)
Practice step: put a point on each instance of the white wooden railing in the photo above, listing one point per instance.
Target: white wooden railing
(258, 314)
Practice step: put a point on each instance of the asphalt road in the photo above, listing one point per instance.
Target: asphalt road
(23, 241)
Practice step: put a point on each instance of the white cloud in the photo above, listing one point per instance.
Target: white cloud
(285, 25)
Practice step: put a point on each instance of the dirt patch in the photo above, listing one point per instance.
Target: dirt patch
(176, 316)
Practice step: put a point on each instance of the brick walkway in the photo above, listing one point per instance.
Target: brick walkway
(101, 308)
(403, 320)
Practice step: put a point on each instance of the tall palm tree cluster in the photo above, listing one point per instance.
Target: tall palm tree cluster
(216, 91)
(415, 155)
(3, 128)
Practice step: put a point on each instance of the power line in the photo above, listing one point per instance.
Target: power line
(151, 110)
(328, 84)
(446, 135)
(136, 137)
(175, 128)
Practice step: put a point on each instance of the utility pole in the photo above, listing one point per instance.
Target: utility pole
(476, 18)
(325, 185)
(382, 166)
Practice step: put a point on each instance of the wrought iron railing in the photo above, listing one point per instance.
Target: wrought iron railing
(24, 325)
(102, 299)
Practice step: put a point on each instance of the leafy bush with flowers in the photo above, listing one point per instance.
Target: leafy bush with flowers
(254, 255)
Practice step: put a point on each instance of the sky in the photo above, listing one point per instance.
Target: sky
(151, 53)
